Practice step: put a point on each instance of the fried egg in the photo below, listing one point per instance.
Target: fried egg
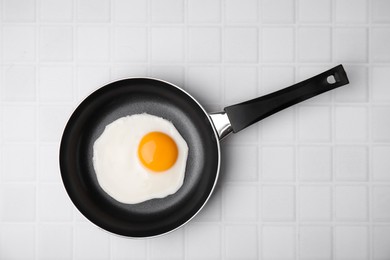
(140, 157)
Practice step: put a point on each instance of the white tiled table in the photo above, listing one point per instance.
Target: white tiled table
(312, 182)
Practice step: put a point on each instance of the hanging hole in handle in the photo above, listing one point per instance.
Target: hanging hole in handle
(331, 79)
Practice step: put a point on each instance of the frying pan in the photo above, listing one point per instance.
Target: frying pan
(202, 132)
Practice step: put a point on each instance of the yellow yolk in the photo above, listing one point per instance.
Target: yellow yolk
(157, 151)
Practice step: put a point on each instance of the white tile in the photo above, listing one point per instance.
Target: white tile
(123, 248)
(56, 43)
(125, 71)
(350, 124)
(315, 203)
(169, 246)
(351, 203)
(314, 44)
(17, 202)
(130, 44)
(130, 10)
(93, 43)
(277, 203)
(172, 74)
(55, 83)
(79, 217)
(168, 11)
(351, 242)
(315, 242)
(235, 209)
(240, 84)
(91, 78)
(19, 162)
(274, 78)
(380, 123)
(241, 242)
(380, 163)
(198, 13)
(381, 238)
(56, 10)
(380, 11)
(345, 14)
(315, 163)
(93, 10)
(52, 120)
(204, 44)
(201, 237)
(241, 11)
(350, 163)
(17, 241)
(350, 44)
(279, 127)
(204, 83)
(277, 44)
(356, 91)
(53, 203)
(48, 166)
(314, 123)
(54, 242)
(277, 11)
(380, 201)
(18, 43)
(380, 89)
(276, 237)
(246, 136)
(15, 87)
(90, 242)
(241, 44)
(314, 11)
(212, 210)
(167, 44)
(19, 123)
(18, 10)
(277, 163)
(380, 40)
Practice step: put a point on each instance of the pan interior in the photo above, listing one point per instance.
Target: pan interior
(128, 97)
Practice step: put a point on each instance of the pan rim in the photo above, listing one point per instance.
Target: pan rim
(213, 129)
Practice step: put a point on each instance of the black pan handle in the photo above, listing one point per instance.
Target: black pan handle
(245, 114)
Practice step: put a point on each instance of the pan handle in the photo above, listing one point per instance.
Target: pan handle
(247, 113)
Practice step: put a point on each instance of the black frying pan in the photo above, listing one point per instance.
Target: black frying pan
(201, 131)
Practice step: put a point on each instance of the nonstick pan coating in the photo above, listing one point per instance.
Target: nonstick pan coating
(128, 97)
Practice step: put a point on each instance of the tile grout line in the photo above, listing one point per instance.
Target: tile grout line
(259, 132)
(1, 98)
(75, 30)
(369, 131)
(265, 183)
(333, 134)
(37, 29)
(211, 64)
(296, 134)
(149, 27)
(346, 222)
(213, 24)
(149, 57)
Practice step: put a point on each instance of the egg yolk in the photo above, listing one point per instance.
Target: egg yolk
(157, 151)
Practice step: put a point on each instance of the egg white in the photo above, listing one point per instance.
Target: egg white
(119, 171)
